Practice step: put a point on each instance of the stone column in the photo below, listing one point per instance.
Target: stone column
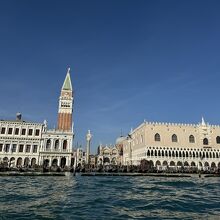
(17, 148)
(50, 161)
(10, 149)
(31, 148)
(68, 161)
(60, 144)
(88, 143)
(59, 160)
(52, 144)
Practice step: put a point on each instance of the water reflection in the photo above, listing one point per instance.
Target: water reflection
(109, 197)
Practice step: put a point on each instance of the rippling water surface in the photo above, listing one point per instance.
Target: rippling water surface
(80, 197)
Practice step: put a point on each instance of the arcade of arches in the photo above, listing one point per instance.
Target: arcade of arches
(19, 161)
(60, 161)
(56, 145)
(178, 157)
(171, 163)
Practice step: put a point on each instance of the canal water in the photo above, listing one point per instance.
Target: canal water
(109, 197)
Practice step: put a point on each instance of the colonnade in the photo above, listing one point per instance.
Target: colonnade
(19, 161)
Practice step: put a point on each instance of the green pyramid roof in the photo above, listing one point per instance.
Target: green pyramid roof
(67, 85)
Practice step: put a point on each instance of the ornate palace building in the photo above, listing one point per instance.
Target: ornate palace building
(173, 145)
(28, 144)
(109, 155)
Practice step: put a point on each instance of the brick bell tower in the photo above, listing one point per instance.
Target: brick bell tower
(66, 105)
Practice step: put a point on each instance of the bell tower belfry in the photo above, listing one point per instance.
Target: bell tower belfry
(66, 105)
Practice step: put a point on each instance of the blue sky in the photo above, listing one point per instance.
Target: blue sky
(130, 61)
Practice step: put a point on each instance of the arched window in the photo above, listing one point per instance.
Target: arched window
(207, 155)
(205, 141)
(64, 144)
(218, 140)
(191, 139)
(206, 164)
(165, 163)
(158, 163)
(183, 154)
(213, 165)
(48, 145)
(157, 137)
(33, 162)
(176, 153)
(179, 164)
(186, 164)
(148, 153)
(174, 138)
(172, 163)
(193, 164)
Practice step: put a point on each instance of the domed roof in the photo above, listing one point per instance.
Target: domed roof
(120, 139)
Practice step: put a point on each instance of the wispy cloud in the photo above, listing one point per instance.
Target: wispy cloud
(170, 85)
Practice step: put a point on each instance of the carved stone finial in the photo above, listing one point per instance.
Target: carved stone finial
(88, 136)
(68, 70)
(203, 121)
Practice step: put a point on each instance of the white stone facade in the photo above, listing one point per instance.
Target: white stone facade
(80, 157)
(20, 142)
(28, 144)
(173, 145)
(56, 148)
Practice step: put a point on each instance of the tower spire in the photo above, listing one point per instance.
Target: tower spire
(67, 85)
(66, 105)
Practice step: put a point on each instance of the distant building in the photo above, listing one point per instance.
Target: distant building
(92, 161)
(108, 155)
(80, 157)
(173, 145)
(29, 144)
